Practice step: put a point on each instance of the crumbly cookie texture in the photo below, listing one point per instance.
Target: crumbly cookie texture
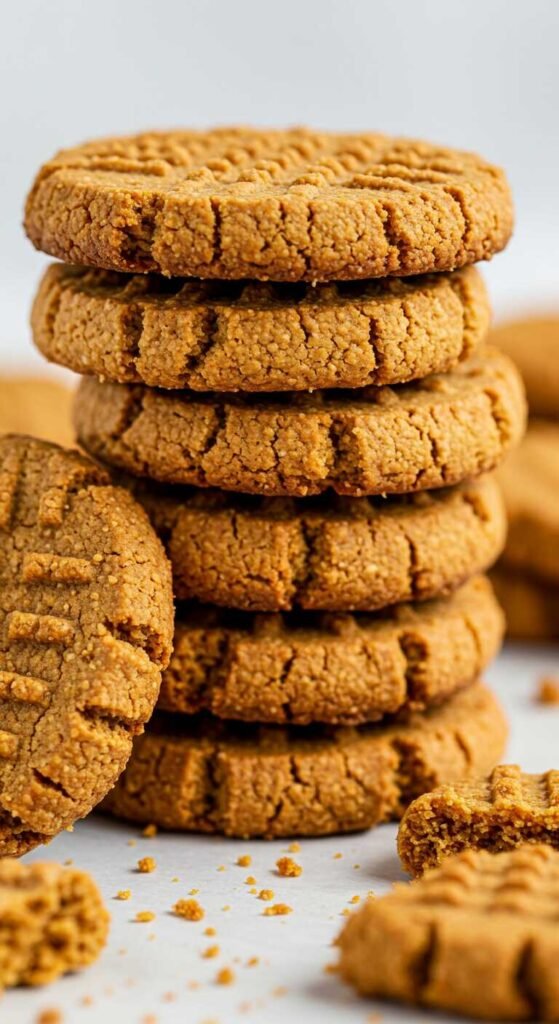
(251, 336)
(274, 205)
(86, 626)
(432, 433)
(531, 608)
(36, 406)
(533, 344)
(204, 775)
(330, 553)
(502, 811)
(336, 668)
(530, 481)
(53, 920)
(476, 936)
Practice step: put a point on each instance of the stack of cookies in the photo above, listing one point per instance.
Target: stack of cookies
(312, 451)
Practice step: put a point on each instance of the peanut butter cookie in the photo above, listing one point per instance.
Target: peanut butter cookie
(86, 619)
(533, 344)
(250, 336)
(273, 205)
(204, 775)
(476, 936)
(531, 608)
(53, 921)
(36, 406)
(334, 668)
(414, 437)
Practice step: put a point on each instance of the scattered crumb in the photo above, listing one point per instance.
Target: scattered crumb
(294, 848)
(346, 912)
(222, 867)
(266, 894)
(150, 1019)
(146, 865)
(210, 931)
(226, 907)
(210, 952)
(374, 1018)
(170, 997)
(130, 842)
(278, 910)
(337, 856)
(225, 976)
(250, 880)
(193, 892)
(123, 894)
(253, 961)
(356, 867)
(331, 968)
(253, 891)
(548, 690)
(370, 895)
(279, 991)
(68, 863)
(87, 1000)
(192, 985)
(50, 1017)
(244, 861)
(288, 868)
(152, 937)
(355, 899)
(149, 832)
(122, 952)
(189, 910)
(175, 879)
(143, 916)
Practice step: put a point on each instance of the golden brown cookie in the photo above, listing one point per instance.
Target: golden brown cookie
(476, 936)
(531, 608)
(273, 205)
(533, 344)
(499, 812)
(204, 775)
(415, 437)
(53, 920)
(250, 336)
(36, 406)
(329, 553)
(86, 621)
(336, 668)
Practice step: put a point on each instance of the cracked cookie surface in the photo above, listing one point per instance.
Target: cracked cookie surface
(53, 920)
(274, 205)
(86, 621)
(504, 810)
(204, 775)
(250, 336)
(413, 437)
(340, 669)
(476, 936)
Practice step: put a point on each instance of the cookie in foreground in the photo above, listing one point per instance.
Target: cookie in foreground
(477, 936)
(86, 626)
(506, 809)
(53, 920)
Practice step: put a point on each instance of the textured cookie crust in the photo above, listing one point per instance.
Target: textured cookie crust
(334, 668)
(500, 812)
(86, 625)
(330, 553)
(433, 433)
(36, 406)
(250, 336)
(477, 936)
(530, 481)
(292, 205)
(531, 608)
(533, 345)
(244, 780)
(53, 920)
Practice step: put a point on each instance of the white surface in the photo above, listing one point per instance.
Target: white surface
(145, 962)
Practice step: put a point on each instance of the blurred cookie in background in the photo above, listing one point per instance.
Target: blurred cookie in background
(533, 344)
(37, 406)
(531, 608)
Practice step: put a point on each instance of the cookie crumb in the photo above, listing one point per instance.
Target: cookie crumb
(144, 916)
(170, 997)
(193, 892)
(131, 842)
(250, 880)
(288, 868)
(337, 856)
(346, 912)
(266, 894)
(279, 991)
(146, 865)
(278, 910)
(253, 961)
(294, 848)
(50, 1017)
(253, 891)
(355, 899)
(175, 879)
(189, 910)
(210, 930)
(225, 976)
(123, 894)
(244, 861)
(149, 831)
(548, 690)
(210, 952)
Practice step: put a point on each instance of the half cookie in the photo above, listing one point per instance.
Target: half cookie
(207, 776)
(242, 336)
(339, 669)
(86, 620)
(275, 205)
(435, 432)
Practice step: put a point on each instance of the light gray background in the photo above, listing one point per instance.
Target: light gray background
(482, 75)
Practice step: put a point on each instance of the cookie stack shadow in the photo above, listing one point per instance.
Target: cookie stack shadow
(316, 454)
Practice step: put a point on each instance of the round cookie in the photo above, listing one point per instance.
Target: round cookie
(329, 553)
(246, 780)
(415, 437)
(533, 344)
(332, 668)
(530, 481)
(36, 406)
(531, 608)
(213, 336)
(273, 205)
(86, 625)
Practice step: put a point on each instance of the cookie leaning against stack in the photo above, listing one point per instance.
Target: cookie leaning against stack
(284, 399)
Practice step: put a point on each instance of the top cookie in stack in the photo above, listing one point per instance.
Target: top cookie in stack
(293, 317)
